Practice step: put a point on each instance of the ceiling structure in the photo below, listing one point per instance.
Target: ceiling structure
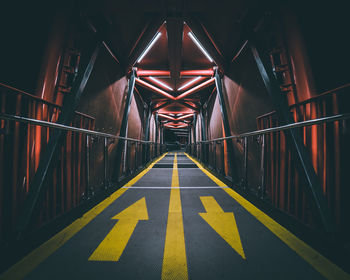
(178, 46)
(175, 93)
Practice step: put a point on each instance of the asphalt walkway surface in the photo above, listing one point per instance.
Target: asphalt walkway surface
(175, 220)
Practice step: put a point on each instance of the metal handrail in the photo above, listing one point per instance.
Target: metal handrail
(67, 128)
(283, 127)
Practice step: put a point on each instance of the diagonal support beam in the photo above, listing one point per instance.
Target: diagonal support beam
(70, 104)
(175, 29)
(230, 150)
(164, 105)
(147, 131)
(124, 126)
(184, 103)
(154, 89)
(202, 36)
(143, 40)
(295, 140)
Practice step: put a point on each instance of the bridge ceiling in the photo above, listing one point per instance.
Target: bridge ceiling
(174, 45)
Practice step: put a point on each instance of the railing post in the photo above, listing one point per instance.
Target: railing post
(262, 166)
(87, 162)
(245, 174)
(222, 153)
(105, 163)
(214, 154)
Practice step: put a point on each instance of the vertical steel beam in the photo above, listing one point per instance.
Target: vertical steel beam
(157, 125)
(295, 140)
(204, 136)
(194, 128)
(105, 163)
(245, 167)
(124, 126)
(147, 132)
(262, 166)
(70, 104)
(231, 157)
(194, 134)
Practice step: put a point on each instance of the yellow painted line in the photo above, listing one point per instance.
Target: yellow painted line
(311, 256)
(174, 259)
(223, 223)
(112, 247)
(33, 259)
(141, 174)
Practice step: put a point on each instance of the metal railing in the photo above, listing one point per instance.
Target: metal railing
(72, 181)
(253, 158)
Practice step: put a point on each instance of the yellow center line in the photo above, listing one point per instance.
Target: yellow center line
(311, 256)
(174, 259)
(33, 259)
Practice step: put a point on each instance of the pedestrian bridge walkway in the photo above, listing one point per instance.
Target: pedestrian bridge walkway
(174, 220)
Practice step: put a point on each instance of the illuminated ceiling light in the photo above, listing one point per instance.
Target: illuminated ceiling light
(146, 73)
(176, 126)
(160, 83)
(208, 72)
(199, 45)
(155, 89)
(185, 116)
(196, 88)
(149, 47)
(166, 116)
(190, 83)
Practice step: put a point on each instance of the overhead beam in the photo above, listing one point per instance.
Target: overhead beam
(175, 30)
(153, 73)
(176, 121)
(144, 39)
(163, 105)
(196, 88)
(154, 89)
(206, 41)
(103, 28)
(184, 103)
(208, 72)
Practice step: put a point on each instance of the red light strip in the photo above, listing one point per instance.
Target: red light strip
(196, 88)
(208, 72)
(146, 73)
(166, 116)
(184, 117)
(175, 126)
(176, 119)
(155, 89)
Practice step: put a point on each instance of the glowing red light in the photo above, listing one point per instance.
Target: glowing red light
(155, 89)
(196, 88)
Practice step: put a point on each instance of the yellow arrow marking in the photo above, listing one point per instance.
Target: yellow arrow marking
(223, 223)
(112, 247)
(174, 259)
